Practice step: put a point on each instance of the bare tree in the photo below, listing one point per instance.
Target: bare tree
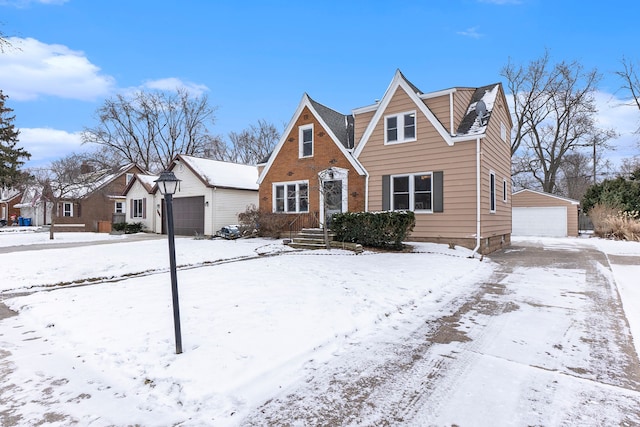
(150, 128)
(575, 175)
(629, 167)
(253, 144)
(64, 179)
(631, 82)
(4, 43)
(554, 114)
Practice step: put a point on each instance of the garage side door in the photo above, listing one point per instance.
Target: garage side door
(545, 222)
(188, 215)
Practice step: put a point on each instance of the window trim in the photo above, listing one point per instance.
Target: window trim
(301, 143)
(412, 191)
(504, 190)
(285, 184)
(137, 212)
(400, 128)
(503, 131)
(492, 192)
(64, 209)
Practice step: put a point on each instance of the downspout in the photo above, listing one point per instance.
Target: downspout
(477, 198)
(366, 191)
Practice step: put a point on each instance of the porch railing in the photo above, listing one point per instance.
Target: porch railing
(303, 220)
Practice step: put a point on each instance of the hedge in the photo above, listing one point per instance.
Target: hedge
(376, 229)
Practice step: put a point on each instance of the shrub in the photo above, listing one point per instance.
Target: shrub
(615, 224)
(261, 223)
(119, 226)
(133, 228)
(377, 229)
(620, 194)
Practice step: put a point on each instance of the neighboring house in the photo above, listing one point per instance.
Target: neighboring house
(313, 164)
(9, 198)
(140, 202)
(97, 201)
(542, 214)
(36, 206)
(445, 155)
(210, 195)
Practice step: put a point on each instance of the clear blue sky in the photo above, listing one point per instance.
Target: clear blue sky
(255, 59)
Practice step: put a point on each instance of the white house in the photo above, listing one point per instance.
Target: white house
(140, 202)
(211, 194)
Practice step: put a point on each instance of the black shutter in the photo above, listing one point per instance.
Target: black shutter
(386, 192)
(438, 197)
(78, 210)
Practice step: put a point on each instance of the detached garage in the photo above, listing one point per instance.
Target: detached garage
(535, 213)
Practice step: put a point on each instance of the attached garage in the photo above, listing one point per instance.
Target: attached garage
(188, 215)
(542, 214)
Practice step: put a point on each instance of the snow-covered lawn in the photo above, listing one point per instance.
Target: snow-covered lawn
(104, 354)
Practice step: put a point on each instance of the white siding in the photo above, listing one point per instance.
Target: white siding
(222, 205)
(137, 191)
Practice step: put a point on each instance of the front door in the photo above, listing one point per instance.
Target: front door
(332, 191)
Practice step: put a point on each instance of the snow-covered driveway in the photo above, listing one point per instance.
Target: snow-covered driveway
(543, 342)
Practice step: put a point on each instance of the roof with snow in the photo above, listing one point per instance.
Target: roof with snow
(215, 173)
(479, 111)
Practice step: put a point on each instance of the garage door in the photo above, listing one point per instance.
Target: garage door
(188, 215)
(547, 222)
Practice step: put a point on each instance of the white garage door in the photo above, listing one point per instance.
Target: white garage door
(547, 222)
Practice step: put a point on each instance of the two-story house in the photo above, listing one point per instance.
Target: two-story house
(444, 155)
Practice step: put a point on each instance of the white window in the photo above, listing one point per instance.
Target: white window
(492, 192)
(412, 192)
(128, 178)
(67, 209)
(119, 207)
(306, 141)
(400, 128)
(291, 197)
(137, 210)
(503, 132)
(504, 190)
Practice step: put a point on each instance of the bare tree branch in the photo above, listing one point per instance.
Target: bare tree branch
(151, 128)
(554, 113)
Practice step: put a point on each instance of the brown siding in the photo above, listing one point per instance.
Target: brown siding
(457, 224)
(461, 100)
(287, 166)
(361, 121)
(440, 106)
(496, 157)
(428, 153)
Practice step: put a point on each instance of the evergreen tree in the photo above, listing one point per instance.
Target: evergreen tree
(11, 157)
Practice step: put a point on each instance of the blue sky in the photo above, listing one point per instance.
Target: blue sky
(255, 59)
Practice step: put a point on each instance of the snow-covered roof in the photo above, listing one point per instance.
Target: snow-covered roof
(479, 111)
(147, 181)
(6, 194)
(215, 173)
(91, 181)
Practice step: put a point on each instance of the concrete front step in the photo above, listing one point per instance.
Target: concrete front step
(311, 246)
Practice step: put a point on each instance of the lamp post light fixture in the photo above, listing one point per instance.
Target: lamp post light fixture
(168, 184)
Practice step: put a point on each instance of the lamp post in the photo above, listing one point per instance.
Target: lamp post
(168, 184)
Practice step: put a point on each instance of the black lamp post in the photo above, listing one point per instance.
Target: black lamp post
(168, 184)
